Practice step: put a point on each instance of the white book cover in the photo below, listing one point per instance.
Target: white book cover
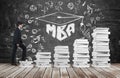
(82, 46)
(61, 47)
(81, 60)
(81, 40)
(80, 56)
(99, 43)
(48, 57)
(61, 60)
(100, 39)
(44, 53)
(62, 53)
(101, 59)
(61, 56)
(76, 45)
(61, 50)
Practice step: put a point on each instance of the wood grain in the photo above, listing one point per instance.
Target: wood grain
(9, 71)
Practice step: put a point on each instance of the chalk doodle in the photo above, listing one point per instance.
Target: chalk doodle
(33, 8)
(70, 6)
(33, 34)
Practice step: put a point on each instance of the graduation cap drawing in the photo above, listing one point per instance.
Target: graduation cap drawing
(62, 24)
(60, 18)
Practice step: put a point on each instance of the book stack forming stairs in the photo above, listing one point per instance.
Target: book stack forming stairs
(101, 51)
(81, 53)
(43, 59)
(61, 56)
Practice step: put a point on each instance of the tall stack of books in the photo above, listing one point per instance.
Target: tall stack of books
(81, 53)
(61, 56)
(101, 52)
(43, 59)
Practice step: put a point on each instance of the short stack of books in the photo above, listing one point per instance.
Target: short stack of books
(101, 52)
(81, 53)
(26, 63)
(43, 59)
(61, 56)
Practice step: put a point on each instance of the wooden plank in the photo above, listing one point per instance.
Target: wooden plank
(92, 72)
(40, 72)
(71, 73)
(23, 73)
(64, 73)
(16, 72)
(4, 75)
(113, 72)
(108, 75)
(7, 69)
(95, 72)
(56, 73)
(79, 72)
(115, 67)
(31, 73)
(48, 73)
(88, 73)
(4, 66)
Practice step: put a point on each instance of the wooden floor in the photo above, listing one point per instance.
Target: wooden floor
(9, 71)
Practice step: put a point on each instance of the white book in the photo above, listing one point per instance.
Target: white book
(101, 59)
(79, 47)
(43, 65)
(75, 45)
(83, 46)
(101, 48)
(101, 28)
(79, 65)
(81, 60)
(101, 65)
(61, 50)
(81, 40)
(101, 39)
(100, 33)
(61, 47)
(44, 57)
(80, 56)
(61, 56)
(61, 60)
(100, 43)
(81, 52)
(46, 53)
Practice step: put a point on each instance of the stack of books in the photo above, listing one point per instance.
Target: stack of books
(81, 53)
(61, 56)
(26, 63)
(101, 51)
(43, 59)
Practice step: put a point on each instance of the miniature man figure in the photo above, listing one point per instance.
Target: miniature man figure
(17, 42)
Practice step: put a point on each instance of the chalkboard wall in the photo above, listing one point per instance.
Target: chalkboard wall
(97, 13)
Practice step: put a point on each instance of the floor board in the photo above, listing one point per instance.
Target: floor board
(9, 71)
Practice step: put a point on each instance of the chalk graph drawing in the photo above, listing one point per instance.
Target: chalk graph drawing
(33, 12)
